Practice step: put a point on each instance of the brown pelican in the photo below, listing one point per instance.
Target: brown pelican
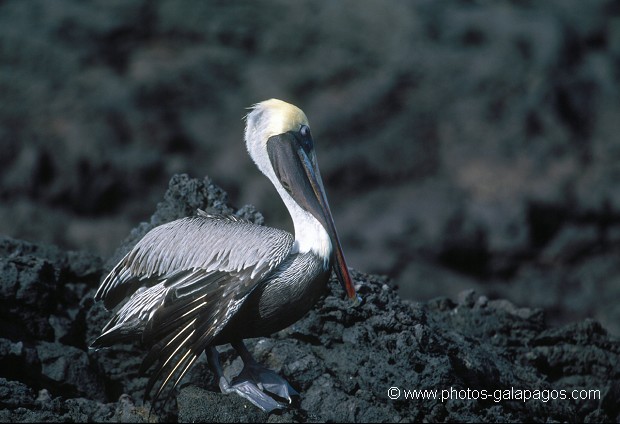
(206, 280)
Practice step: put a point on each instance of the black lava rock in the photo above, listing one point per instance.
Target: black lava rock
(468, 359)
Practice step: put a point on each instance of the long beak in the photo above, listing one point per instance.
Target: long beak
(302, 179)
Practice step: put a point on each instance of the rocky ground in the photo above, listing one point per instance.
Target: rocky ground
(342, 359)
(463, 144)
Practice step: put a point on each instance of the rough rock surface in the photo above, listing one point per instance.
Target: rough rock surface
(486, 132)
(343, 360)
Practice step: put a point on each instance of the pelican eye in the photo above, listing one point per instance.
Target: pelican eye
(306, 138)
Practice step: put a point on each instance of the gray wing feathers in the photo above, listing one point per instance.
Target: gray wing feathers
(202, 242)
(209, 244)
(131, 319)
(185, 280)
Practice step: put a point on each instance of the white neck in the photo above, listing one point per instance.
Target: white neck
(310, 236)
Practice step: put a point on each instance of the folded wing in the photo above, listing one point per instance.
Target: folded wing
(185, 280)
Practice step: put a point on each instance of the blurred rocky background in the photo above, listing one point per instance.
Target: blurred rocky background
(463, 144)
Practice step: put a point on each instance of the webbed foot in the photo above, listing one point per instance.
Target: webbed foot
(250, 391)
(254, 383)
(266, 380)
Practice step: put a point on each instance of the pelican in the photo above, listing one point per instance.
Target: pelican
(207, 280)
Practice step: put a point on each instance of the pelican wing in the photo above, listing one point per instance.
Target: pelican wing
(193, 312)
(201, 243)
(187, 279)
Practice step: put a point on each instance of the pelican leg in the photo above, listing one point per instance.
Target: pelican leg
(246, 389)
(263, 378)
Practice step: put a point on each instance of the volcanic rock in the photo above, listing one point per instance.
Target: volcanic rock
(388, 359)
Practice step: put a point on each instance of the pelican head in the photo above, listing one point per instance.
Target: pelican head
(277, 136)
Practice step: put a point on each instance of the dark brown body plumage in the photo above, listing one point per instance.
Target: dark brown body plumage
(280, 300)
